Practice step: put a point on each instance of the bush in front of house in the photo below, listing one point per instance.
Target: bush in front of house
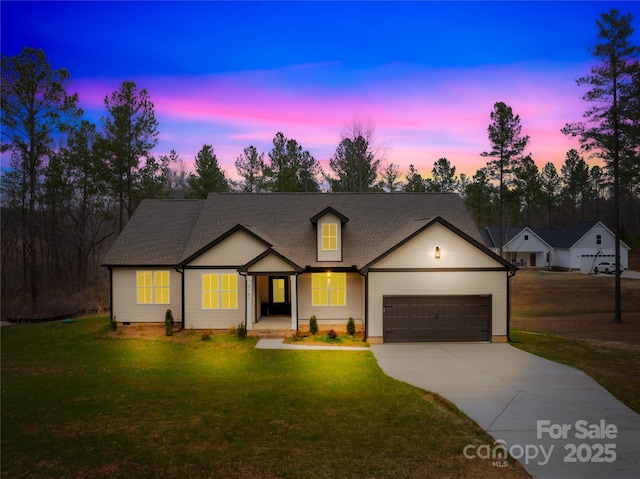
(206, 336)
(313, 325)
(242, 331)
(168, 323)
(113, 324)
(351, 327)
(332, 335)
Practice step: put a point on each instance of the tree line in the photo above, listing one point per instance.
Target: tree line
(72, 185)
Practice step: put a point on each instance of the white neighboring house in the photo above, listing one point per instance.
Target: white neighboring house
(579, 246)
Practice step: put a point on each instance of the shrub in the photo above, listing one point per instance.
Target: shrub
(113, 324)
(331, 334)
(206, 336)
(313, 325)
(351, 327)
(233, 331)
(297, 336)
(168, 323)
(242, 331)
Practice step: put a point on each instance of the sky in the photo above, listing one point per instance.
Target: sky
(424, 74)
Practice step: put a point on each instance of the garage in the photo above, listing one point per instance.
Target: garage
(437, 318)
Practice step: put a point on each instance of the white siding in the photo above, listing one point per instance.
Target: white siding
(419, 252)
(353, 309)
(198, 318)
(236, 250)
(519, 250)
(124, 297)
(493, 283)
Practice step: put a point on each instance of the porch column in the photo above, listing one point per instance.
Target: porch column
(249, 303)
(294, 301)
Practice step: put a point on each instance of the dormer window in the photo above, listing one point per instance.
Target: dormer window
(329, 236)
(329, 225)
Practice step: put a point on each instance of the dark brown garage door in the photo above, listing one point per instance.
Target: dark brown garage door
(437, 318)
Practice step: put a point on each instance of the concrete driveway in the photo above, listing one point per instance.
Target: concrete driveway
(556, 420)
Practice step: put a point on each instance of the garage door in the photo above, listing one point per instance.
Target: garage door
(437, 318)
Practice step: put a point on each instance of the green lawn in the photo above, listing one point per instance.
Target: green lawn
(615, 367)
(80, 401)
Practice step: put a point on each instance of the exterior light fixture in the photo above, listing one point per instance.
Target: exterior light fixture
(437, 252)
(328, 274)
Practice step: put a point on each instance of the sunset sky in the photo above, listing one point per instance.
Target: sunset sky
(232, 74)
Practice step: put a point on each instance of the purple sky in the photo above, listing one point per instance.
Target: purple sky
(233, 74)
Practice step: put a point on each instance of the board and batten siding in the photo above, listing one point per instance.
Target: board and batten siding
(196, 317)
(419, 252)
(125, 297)
(353, 309)
(493, 283)
(236, 250)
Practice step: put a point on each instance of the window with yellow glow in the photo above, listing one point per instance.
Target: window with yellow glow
(152, 287)
(278, 290)
(219, 291)
(328, 289)
(329, 236)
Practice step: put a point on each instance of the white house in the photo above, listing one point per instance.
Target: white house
(407, 267)
(579, 246)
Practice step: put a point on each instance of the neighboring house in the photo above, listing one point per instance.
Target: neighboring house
(407, 267)
(579, 246)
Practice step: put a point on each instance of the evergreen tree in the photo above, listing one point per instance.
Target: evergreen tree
(414, 182)
(355, 163)
(35, 106)
(444, 178)
(611, 126)
(130, 133)
(209, 178)
(250, 166)
(550, 184)
(507, 144)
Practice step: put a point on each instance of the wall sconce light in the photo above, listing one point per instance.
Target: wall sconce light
(437, 252)
(328, 274)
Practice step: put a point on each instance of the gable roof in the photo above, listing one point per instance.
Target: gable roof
(566, 237)
(426, 223)
(561, 238)
(167, 232)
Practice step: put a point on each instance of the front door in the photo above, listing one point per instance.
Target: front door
(279, 303)
(532, 260)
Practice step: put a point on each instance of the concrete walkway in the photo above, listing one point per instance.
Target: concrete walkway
(280, 344)
(539, 408)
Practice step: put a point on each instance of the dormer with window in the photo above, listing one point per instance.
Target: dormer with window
(329, 224)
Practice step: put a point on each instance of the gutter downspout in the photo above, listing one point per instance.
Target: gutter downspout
(246, 310)
(110, 293)
(181, 295)
(366, 305)
(510, 274)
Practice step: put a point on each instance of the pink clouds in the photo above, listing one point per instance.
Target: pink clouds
(421, 115)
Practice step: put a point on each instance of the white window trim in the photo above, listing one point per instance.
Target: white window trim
(219, 291)
(153, 286)
(328, 290)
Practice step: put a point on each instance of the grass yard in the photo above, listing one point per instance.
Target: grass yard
(572, 316)
(80, 401)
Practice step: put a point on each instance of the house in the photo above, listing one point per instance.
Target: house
(578, 246)
(406, 267)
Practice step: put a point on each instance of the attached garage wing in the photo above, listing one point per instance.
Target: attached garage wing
(437, 318)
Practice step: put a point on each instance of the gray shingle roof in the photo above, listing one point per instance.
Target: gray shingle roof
(166, 232)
